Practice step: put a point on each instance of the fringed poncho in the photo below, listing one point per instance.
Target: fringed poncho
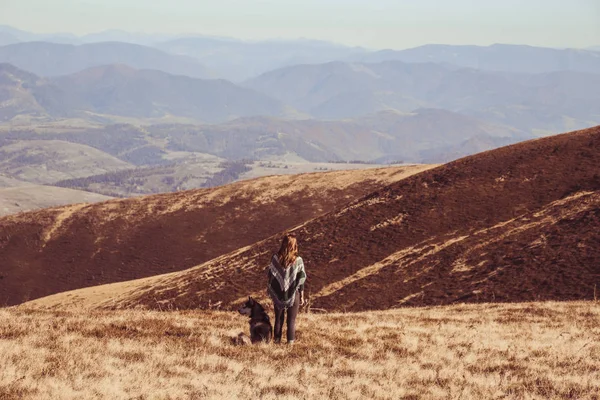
(283, 283)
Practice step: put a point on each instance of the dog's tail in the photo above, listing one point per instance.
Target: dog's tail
(241, 340)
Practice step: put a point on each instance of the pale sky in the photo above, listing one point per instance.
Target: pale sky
(374, 24)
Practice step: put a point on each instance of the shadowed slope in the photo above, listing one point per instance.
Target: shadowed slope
(517, 223)
(76, 246)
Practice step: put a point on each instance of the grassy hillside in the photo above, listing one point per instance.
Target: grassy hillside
(84, 245)
(516, 351)
(520, 223)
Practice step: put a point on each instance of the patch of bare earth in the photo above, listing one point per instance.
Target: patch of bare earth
(516, 351)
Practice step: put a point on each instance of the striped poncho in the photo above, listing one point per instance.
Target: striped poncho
(283, 283)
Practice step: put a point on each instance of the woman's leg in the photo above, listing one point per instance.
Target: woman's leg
(291, 319)
(278, 328)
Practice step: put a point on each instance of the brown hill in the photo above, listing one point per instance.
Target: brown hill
(514, 224)
(66, 248)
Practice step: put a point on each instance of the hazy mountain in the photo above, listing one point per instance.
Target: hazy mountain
(51, 59)
(25, 94)
(545, 102)
(497, 57)
(101, 93)
(7, 38)
(239, 60)
(594, 48)
(328, 89)
(15, 33)
(549, 101)
(116, 35)
(121, 90)
(24, 36)
(110, 35)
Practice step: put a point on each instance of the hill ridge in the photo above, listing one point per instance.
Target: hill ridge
(55, 250)
(518, 223)
(444, 208)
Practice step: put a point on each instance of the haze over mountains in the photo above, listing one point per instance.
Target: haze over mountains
(531, 103)
(240, 60)
(17, 36)
(147, 116)
(544, 102)
(121, 91)
(497, 57)
(237, 60)
(53, 59)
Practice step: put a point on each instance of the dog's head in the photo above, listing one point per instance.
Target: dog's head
(246, 309)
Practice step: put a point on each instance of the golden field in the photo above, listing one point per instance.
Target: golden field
(509, 351)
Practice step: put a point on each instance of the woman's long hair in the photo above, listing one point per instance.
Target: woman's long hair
(288, 252)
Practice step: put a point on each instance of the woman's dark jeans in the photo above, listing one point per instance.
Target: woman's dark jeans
(292, 312)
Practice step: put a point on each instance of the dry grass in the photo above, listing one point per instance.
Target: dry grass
(514, 351)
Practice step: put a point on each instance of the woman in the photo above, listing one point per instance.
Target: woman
(286, 277)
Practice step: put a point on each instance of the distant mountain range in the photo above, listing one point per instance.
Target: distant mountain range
(52, 59)
(312, 101)
(497, 57)
(240, 60)
(18, 35)
(534, 103)
(548, 102)
(99, 93)
(226, 58)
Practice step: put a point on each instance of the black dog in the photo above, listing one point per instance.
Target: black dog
(261, 329)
